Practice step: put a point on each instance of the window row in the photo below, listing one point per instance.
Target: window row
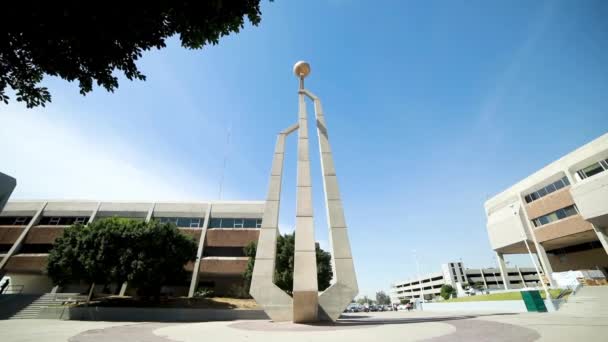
(560, 183)
(234, 223)
(554, 216)
(15, 220)
(593, 169)
(62, 220)
(195, 222)
(184, 222)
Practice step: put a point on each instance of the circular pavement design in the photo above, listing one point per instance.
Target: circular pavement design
(352, 329)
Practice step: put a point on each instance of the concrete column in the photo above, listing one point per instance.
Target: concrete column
(305, 289)
(544, 260)
(483, 277)
(503, 270)
(602, 236)
(277, 304)
(94, 213)
(21, 239)
(344, 286)
(199, 254)
(150, 212)
(521, 276)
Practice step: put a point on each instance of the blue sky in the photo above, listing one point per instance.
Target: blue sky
(432, 107)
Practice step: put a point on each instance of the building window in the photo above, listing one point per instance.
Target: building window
(234, 223)
(81, 220)
(555, 216)
(560, 183)
(593, 169)
(62, 220)
(182, 222)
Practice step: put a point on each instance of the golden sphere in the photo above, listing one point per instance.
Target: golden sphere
(301, 69)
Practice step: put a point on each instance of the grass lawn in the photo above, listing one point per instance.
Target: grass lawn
(500, 296)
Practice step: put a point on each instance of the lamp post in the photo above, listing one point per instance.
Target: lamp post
(419, 279)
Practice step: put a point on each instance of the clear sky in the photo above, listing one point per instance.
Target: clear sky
(432, 107)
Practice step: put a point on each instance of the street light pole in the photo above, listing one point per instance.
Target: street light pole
(419, 279)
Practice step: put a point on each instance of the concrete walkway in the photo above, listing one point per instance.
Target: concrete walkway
(370, 327)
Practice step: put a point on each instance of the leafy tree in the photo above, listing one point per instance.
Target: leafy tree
(283, 276)
(447, 291)
(365, 300)
(478, 286)
(114, 250)
(382, 298)
(404, 301)
(90, 42)
(249, 251)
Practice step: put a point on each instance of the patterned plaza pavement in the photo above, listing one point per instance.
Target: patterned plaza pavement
(369, 327)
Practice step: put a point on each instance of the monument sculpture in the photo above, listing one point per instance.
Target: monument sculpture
(307, 304)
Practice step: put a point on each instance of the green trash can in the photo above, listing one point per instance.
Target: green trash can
(534, 302)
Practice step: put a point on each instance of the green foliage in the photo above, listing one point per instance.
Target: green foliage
(382, 298)
(114, 250)
(478, 286)
(283, 276)
(90, 43)
(447, 291)
(239, 291)
(249, 251)
(364, 300)
(204, 292)
(404, 301)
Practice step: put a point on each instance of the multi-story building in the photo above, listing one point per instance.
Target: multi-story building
(455, 274)
(559, 212)
(29, 228)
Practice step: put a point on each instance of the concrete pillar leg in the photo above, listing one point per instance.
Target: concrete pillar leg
(123, 289)
(503, 270)
(544, 260)
(305, 288)
(199, 254)
(602, 235)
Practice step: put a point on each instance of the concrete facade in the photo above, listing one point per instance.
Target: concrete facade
(307, 305)
(29, 228)
(454, 274)
(560, 213)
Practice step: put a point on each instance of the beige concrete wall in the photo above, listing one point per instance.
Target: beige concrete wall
(506, 226)
(568, 226)
(32, 283)
(9, 234)
(231, 237)
(591, 197)
(227, 266)
(27, 263)
(44, 234)
(550, 203)
(70, 208)
(584, 260)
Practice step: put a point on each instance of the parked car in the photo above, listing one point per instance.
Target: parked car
(353, 307)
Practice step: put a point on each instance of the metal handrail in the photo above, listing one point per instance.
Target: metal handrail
(13, 289)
